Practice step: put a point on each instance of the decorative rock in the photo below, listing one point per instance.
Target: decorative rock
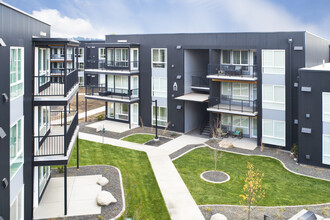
(226, 144)
(105, 198)
(218, 216)
(102, 181)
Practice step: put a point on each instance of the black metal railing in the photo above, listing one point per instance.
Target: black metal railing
(52, 145)
(56, 118)
(233, 70)
(230, 104)
(61, 56)
(112, 65)
(47, 86)
(199, 81)
(112, 92)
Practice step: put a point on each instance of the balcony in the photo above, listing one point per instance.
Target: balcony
(200, 83)
(60, 57)
(232, 72)
(112, 94)
(103, 66)
(225, 104)
(45, 85)
(55, 147)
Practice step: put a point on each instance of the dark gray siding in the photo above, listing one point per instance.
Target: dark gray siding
(311, 103)
(17, 29)
(317, 49)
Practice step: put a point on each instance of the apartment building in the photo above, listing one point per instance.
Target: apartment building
(38, 123)
(245, 81)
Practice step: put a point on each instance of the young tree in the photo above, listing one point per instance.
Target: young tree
(216, 157)
(253, 189)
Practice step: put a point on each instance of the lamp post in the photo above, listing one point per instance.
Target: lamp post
(156, 113)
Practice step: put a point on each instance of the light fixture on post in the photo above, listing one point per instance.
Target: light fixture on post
(156, 114)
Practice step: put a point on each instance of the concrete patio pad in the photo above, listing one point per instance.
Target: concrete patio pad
(82, 192)
(244, 143)
(112, 126)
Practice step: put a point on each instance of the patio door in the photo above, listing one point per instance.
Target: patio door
(135, 86)
(135, 113)
(134, 58)
(43, 175)
(254, 127)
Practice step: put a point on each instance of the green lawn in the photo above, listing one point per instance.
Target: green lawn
(139, 138)
(142, 192)
(281, 186)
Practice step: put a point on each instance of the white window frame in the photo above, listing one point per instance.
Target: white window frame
(325, 114)
(15, 202)
(81, 51)
(19, 153)
(45, 70)
(21, 81)
(280, 68)
(273, 96)
(158, 80)
(273, 124)
(134, 63)
(81, 66)
(121, 58)
(101, 53)
(240, 96)
(323, 149)
(230, 57)
(158, 64)
(160, 122)
(240, 58)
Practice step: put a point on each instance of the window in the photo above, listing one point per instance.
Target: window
(159, 58)
(273, 132)
(240, 57)
(226, 88)
(17, 207)
(110, 56)
(241, 122)
(226, 119)
(101, 53)
(81, 66)
(241, 91)
(121, 111)
(111, 110)
(44, 65)
(226, 57)
(43, 175)
(134, 58)
(16, 71)
(326, 106)
(121, 57)
(44, 119)
(326, 149)
(121, 82)
(161, 116)
(254, 127)
(159, 87)
(273, 61)
(81, 80)
(81, 52)
(273, 97)
(16, 147)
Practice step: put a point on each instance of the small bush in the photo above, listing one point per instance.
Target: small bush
(60, 169)
(294, 150)
(100, 117)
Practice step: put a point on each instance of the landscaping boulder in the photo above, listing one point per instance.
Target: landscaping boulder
(226, 144)
(105, 198)
(218, 216)
(102, 181)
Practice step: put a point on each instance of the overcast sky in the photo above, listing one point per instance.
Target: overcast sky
(95, 18)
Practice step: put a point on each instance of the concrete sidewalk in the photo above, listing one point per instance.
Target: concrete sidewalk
(91, 112)
(178, 199)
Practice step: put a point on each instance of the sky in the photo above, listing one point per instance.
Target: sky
(96, 18)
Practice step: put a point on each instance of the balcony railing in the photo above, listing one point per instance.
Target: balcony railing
(112, 65)
(45, 85)
(199, 81)
(249, 71)
(61, 56)
(112, 92)
(229, 104)
(52, 145)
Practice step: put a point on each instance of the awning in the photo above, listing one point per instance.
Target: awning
(194, 97)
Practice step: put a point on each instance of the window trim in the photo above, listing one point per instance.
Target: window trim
(273, 125)
(100, 53)
(22, 73)
(240, 58)
(323, 107)
(275, 67)
(230, 57)
(158, 62)
(273, 99)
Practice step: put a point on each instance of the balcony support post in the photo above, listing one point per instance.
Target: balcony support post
(129, 116)
(85, 110)
(65, 131)
(65, 70)
(78, 151)
(65, 191)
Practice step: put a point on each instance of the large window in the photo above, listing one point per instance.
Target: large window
(326, 149)
(44, 119)
(110, 56)
(161, 116)
(273, 61)
(159, 87)
(121, 57)
(17, 207)
(326, 106)
(101, 53)
(240, 57)
(44, 65)
(226, 88)
(273, 97)
(16, 71)
(241, 91)
(16, 147)
(241, 122)
(81, 67)
(43, 175)
(226, 57)
(273, 132)
(159, 58)
(121, 111)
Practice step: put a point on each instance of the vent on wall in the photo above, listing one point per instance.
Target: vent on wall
(298, 48)
(306, 130)
(121, 41)
(306, 89)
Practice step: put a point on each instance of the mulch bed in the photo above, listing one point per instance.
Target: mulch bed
(162, 140)
(114, 186)
(215, 176)
(183, 150)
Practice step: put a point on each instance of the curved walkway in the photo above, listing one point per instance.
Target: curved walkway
(178, 199)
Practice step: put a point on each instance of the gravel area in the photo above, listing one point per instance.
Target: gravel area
(215, 176)
(146, 130)
(282, 155)
(240, 212)
(182, 151)
(114, 186)
(162, 140)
